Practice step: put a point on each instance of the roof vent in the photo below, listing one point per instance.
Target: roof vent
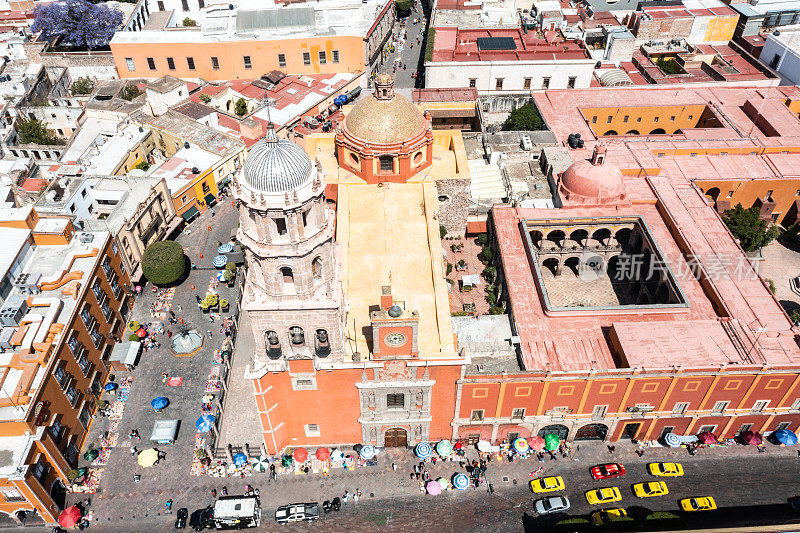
(86, 238)
(28, 283)
(13, 310)
(195, 170)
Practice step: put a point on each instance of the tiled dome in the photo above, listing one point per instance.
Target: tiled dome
(384, 121)
(276, 166)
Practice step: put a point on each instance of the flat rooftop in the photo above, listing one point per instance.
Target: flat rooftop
(455, 44)
(178, 170)
(394, 242)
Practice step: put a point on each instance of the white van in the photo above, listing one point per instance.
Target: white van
(237, 512)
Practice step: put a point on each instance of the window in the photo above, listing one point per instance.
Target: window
(720, 407)
(280, 225)
(707, 429)
(323, 57)
(86, 414)
(71, 455)
(655, 119)
(783, 425)
(594, 120)
(312, 430)
(518, 414)
(730, 194)
(206, 188)
(689, 117)
(281, 60)
(386, 163)
(185, 199)
(473, 82)
(214, 62)
(608, 120)
(599, 411)
(85, 365)
(40, 470)
(625, 118)
(667, 429)
(498, 84)
(759, 406)
(693, 154)
(129, 64)
(86, 316)
(775, 60)
(304, 384)
(545, 83)
(12, 495)
(571, 82)
(680, 408)
(638, 119)
(769, 194)
(190, 63)
(57, 430)
(526, 83)
(335, 56)
(672, 118)
(306, 58)
(396, 401)
(247, 62)
(61, 375)
(170, 63)
(185, 5)
(476, 415)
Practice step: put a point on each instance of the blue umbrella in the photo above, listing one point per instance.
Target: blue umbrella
(225, 248)
(672, 440)
(239, 459)
(367, 452)
(785, 437)
(220, 276)
(461, 481)
(423, 450)
(205, 423)
(110, 386)
(159, 403)
(220, 261)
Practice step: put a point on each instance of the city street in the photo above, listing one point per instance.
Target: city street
(411, 53)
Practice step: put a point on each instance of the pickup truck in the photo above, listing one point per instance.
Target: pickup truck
(297, 512)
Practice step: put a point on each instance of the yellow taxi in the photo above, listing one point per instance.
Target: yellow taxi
(606, 516)
(650, 489)
(547, 484)
(604, 495)
(698, 504)
(665, 469)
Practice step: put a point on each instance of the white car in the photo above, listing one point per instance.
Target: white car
(555, 504)
(297, 512)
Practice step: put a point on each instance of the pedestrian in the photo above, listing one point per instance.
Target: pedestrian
(133, 450)
(611, 448)
(180, 310)
(412, 473)
(164, 377)
(213, 213)
(208, 332)
(168, 505)
(394, 467)
(172, 313)
(197, 297)
(169, 334)
(272, 473)
(214, 493)
(346, 496)
(224, 490)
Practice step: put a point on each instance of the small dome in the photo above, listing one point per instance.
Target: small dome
(395, 311)
(593, 181)
(276, 166)
(384, 121)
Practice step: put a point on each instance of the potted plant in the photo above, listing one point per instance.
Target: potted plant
(224, 304)
(229, 276)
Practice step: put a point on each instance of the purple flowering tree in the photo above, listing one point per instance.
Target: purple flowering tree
(78, 23)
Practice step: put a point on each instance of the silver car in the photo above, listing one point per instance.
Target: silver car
(554, 504)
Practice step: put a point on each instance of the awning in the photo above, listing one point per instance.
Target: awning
(164, 431)
(190, 214)
(125, 352)
(210, 199)
(471, 280)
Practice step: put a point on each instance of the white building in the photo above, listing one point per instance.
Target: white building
(781, 53)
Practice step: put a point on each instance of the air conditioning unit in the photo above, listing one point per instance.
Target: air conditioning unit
(86, 237)
(5, 338)
(13, 310)
(28, 283)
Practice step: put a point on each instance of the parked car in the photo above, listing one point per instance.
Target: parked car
(554, 504)
(606, 516)
(650, 489)
(603, 495)
(706, 503)
(665, 469)
(608, 471)
(547, 484)
(297, 512)
(202, 519)
(180, 518)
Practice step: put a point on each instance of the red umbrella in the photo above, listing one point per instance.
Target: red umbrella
(141, 333)
(536, 443)
(752, 438)
(300, 455)
(323, 454)
(707, 438)
(69, 517)
(458, 445)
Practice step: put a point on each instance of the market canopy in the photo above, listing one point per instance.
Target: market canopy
(423, 450)
(323, 454)
(69, 517)
(300, 455)
(367, 452)
(190, 213)
(220, 261)
(126, 352)
(551, 442)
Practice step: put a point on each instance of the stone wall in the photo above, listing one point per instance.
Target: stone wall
(453, 211)
(97, 65)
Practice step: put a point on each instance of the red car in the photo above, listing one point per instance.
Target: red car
(608, 471)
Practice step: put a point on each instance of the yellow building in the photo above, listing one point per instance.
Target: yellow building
(190, 177)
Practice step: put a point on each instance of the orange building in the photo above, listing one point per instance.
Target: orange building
(63, 302)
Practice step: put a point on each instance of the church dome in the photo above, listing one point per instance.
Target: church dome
(593, 179)
(384, 117)
(276, 166)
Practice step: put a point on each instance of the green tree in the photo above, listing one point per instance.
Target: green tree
(142, 165)
(82, 86)
(403, 6)
(35, 132)
(187, 22)
(486, 254)
(241, 107)
(205, 98)
(668, 66)
(129, 92)
(525, 118)
(747, 226)
(431, 37)
(163, 262)
(442, 231)
(795, 316)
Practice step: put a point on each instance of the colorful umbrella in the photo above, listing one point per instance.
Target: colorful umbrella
(287, 460)
(159, 403)
(141, 333)
(260, 463)
(707, 438)
(367, 452)
(537, 442)
(69, 517)
(433, 488)
(300, 455)
(423, 450)
(785, 437)
(323, 454)
(521, 445)
(443, 482)
(461, 481)
(551, 442)
(220, 261)
(337, 455)
(220, 276)
(672, 440)
(225, 248)
(91, 455)
(239, 459)
(444, 448)
(752, 438)
(205, 423)
(484, 446)
(110, 386)
(148, 458)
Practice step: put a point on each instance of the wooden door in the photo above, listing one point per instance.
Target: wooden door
(396, 438)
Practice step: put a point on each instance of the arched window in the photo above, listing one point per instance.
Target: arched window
(316, 269)
(273, 344)
(287, 277)
(353, 159)
(322, 343)
(297, 336)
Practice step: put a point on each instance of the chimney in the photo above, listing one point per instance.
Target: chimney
(386, 297)
(599, 155)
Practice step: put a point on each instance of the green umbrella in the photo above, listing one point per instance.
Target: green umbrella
(91, 455)
(551, 442)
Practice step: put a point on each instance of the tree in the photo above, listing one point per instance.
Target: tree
(668, 66)
(142, 165)
(205, 98)
(525, 118)
(429, 39)
(82, 86)
(403, 6)
(241, 107)
(747, 226)
(163, 262)
(77, 23)
(35, 132)
(187, 22)
(129, 92)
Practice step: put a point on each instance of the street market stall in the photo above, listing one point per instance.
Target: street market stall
(124, 355)
(165, 431)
